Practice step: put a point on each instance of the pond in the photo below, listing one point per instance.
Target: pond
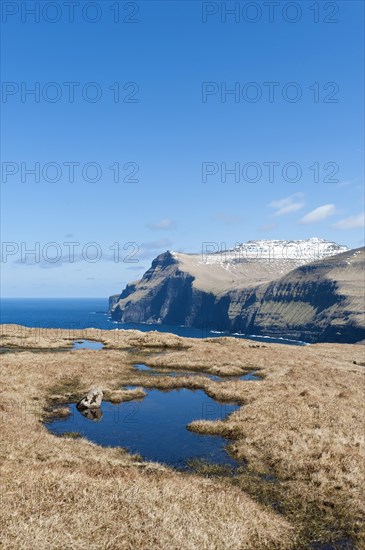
(87, 344)
(155, 427)
(145, 368)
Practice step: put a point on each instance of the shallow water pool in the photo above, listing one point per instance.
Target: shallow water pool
(87, 344)
(145, 368)
(155, 427)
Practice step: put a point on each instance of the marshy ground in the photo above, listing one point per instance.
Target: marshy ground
(299, 435)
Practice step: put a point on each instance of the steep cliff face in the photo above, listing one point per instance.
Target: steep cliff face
(321, 301)
(113, 300)
(317, 301)
(165, 294)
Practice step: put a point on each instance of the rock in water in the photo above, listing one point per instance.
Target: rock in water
(92, 400)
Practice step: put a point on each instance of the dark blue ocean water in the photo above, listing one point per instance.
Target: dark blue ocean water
(81, 313)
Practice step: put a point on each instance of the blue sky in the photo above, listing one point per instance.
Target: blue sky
(171, 130)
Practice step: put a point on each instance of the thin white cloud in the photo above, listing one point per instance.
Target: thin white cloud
(156, 245)
(352, 222)
(229, 218)
(290, 204)
(162, 225)
(319, 214)
(266, 228)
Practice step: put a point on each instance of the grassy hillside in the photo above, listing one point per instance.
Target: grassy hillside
(298, 432)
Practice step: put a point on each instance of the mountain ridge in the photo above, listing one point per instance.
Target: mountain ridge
(289, 297)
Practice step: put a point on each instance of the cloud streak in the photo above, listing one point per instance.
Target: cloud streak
(288, 205)
(228, 218)
(319, 214)
(352, 222)
(266, 228)
(162, 225)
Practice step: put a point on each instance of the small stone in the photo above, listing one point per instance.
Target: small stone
(92, 400)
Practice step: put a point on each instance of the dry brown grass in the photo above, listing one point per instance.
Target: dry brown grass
(303, 425)
(118, 396)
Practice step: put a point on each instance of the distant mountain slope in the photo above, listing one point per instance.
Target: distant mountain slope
(261, 287)
(318, 302)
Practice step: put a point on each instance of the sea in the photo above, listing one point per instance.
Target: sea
(82, 313)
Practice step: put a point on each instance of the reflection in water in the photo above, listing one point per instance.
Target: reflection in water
(91, 414)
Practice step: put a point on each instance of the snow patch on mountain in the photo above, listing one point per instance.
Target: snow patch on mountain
(301, 251)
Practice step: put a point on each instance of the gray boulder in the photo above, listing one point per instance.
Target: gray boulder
(92, 400)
